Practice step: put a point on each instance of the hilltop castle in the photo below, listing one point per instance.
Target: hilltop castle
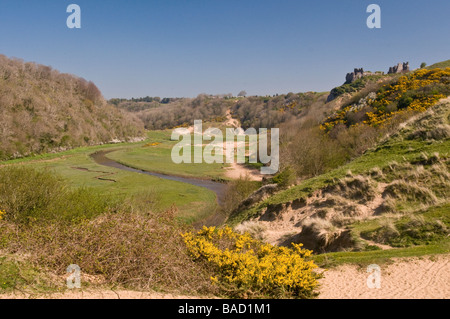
(355, 75)
(399, 68)
(359, 73)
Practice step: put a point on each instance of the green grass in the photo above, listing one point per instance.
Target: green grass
(20, 276)
(424, 228)
(440, 65)
(158, 159)
(193, 202)
(381, 157)
(440, 245)
(412, 242)
(364, 258)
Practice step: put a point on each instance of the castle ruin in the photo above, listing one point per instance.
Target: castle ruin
(399, 68)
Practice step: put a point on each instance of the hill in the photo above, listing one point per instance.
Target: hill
(43, 110)
(383, 183)
(251, 111)
(440, 65)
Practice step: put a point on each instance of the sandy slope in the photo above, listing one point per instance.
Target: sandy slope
(238, 170)
(417, 278)
(411, 278)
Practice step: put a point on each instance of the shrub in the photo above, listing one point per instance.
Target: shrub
(243, 266)
(237, 191)
(285, 178)
(28, 195)
(130, 250)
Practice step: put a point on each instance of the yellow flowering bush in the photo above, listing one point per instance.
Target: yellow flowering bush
(2, 214)
(245, 266)
(416, 91)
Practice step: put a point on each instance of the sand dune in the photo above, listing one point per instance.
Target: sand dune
(411, 278)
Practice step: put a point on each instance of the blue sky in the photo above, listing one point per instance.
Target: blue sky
(175, 48)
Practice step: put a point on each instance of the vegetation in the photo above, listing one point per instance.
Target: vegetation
(155, 156)
(353, 87)
(245, 267)
(440, 65)
(416, 91)
(396, 195)
(55, 227)
(422, 228)
(359, 174)
(43, 110)
(79, 171)
(252, 111)
(238, 190)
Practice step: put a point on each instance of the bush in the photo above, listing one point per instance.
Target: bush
(285, 178)
(30, 195)
(237, 191)
(245, 267)
(130, 250)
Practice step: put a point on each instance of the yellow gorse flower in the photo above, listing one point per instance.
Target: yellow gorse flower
(2, 214)
(247, 264)
(394, 93)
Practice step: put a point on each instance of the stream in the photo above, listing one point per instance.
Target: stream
(218, 188)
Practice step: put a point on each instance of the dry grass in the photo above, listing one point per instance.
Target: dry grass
(255, 229)
(124, 249)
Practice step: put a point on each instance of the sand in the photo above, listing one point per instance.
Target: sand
(405, 278)
(235, 171)
(411, 278)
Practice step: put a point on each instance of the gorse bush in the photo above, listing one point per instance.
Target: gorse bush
(414, 92)
(243, 266)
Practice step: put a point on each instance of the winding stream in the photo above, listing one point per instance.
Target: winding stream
(218, 188)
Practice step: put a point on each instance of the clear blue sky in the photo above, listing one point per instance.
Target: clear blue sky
(171, 48)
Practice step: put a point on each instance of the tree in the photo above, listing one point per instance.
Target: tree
(422, 65)
(242, 93)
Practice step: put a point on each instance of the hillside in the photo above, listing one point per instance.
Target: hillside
(42, 110)
(251, 111)
(440, 65)
(394, 195)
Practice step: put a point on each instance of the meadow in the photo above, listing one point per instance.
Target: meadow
(79, 170)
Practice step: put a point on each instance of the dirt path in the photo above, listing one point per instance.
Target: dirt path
(239, 170)
(411, 278)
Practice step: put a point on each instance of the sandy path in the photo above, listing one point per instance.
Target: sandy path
(412, 278)
(238, 170)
